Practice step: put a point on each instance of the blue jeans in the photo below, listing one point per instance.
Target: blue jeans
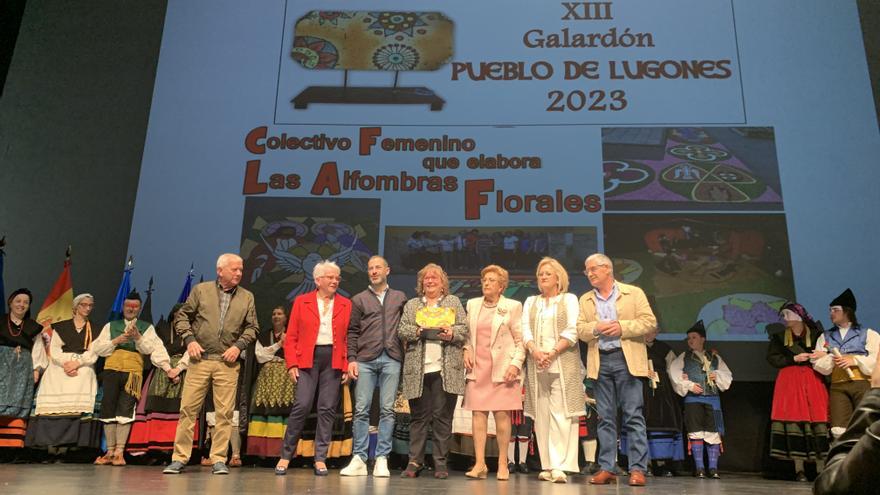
(617, 386)
(386, 372)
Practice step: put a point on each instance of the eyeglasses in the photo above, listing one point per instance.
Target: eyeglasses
(593, 269)
(332, 277)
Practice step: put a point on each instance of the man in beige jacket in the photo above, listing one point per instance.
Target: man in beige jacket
(614, 318)
(217, 322)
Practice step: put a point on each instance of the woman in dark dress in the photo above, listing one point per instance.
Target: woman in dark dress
(272, 390)
(20, 347)
(662, 409)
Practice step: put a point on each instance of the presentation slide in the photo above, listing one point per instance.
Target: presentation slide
(722, 152)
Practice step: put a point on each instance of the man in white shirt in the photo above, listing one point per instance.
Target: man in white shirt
(848, 353)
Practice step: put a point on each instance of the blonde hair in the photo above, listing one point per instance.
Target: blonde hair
(420, 280)
(502, 273)
(557, 269)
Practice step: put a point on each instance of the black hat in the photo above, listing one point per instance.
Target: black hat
(845, 299)
(133, 296)
(698, 328)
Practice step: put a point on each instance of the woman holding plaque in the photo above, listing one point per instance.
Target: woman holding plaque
(554, 379)
(433, 330)
(493, 357)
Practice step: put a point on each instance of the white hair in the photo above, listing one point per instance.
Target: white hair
(82, 297)
(225, 258)
(600, 259)
(323, 266)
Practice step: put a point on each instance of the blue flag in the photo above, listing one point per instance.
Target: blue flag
(2, 255)
(124, 289)
(187, 286)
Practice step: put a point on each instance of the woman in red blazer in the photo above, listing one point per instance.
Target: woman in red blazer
(315, 349)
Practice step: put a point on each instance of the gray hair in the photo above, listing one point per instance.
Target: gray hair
(225, 258)
(82, 297)
(323, 266)
(601, 259)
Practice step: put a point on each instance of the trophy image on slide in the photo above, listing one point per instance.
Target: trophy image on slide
(372, 41)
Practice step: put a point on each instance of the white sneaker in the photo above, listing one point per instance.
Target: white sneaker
(380, 469)
(356, 467)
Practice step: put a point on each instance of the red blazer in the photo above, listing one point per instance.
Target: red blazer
(302, 331)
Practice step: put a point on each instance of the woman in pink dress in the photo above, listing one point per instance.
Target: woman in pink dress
(493, 357)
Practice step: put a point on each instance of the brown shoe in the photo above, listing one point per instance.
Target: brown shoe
(118, 460)
(604, 477)
(636, 478)
(104, 459)
(235, 461)
(206, 461)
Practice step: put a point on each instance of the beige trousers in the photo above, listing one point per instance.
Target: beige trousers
(199, 376)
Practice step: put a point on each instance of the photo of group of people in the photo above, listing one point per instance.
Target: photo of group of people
(464, 250)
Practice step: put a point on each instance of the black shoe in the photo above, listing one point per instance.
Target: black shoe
(523, 468)
(700, 473)
(800, 476)
(713, 473)
(511, 467)
(589, 469)
(666, 473)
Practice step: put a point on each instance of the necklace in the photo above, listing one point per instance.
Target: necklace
(489, 306)
(326, 309)
(9, 326)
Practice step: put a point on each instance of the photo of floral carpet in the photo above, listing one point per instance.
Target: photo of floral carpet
(690, 168)
(733, 271)
(283, 239)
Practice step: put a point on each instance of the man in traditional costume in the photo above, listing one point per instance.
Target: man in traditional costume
(122, 342)
(700, 376)
(847, 352)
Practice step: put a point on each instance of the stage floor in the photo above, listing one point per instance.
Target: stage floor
(85, 479)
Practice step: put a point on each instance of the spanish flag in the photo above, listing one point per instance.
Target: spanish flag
(58, 305)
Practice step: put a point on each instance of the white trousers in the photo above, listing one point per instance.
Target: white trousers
(556, 434)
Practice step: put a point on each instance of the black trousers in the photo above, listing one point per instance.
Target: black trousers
(437, 407)
(321, 376)
(116, 401)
